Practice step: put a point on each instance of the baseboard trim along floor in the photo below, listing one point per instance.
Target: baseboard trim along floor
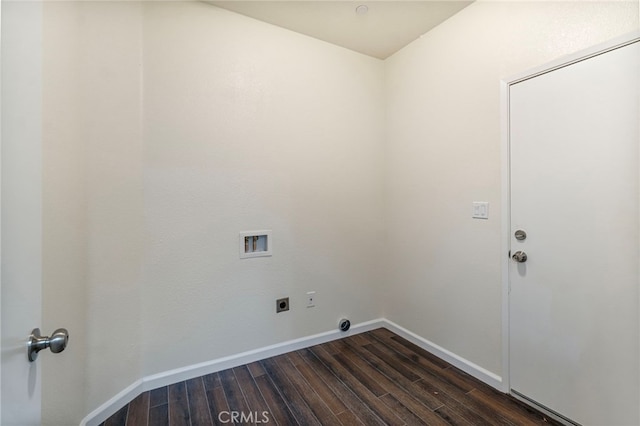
(111, 406)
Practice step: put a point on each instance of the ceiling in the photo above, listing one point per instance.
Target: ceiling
(384, 28)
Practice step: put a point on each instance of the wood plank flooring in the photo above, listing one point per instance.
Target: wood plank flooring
(374, 378)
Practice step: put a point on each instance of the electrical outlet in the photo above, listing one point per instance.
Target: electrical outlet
(282, 305)
(311, 299)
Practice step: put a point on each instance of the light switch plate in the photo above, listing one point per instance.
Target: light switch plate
(480, 210)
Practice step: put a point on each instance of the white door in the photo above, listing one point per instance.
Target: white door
(21, 231)
(574, 160)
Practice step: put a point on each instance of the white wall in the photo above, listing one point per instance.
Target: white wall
(92, 201)
(248, 127)
(239, 125)
(443, 152)
(111, 87)
(64, 222)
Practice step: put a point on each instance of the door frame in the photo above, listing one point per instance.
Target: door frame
(505, 85)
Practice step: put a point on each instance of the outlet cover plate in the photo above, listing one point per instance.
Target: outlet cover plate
(311, 299)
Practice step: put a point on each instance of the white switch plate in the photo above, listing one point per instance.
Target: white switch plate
(480, 210)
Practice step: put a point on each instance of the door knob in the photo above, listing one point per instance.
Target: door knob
(519, 256)
(57, 342)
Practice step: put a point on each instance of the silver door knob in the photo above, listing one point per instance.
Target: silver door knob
(519, 256)
(57, 342)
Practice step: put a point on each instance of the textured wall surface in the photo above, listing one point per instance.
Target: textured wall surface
(92, 200)
(251, 127)
(64, 222)
(238, 126)
(443, 153)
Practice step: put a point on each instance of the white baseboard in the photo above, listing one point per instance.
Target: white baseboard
(457, 361)
(197, 370)
(110, 407)
(154, 381)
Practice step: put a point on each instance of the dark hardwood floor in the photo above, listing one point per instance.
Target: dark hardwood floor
(374, 378)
